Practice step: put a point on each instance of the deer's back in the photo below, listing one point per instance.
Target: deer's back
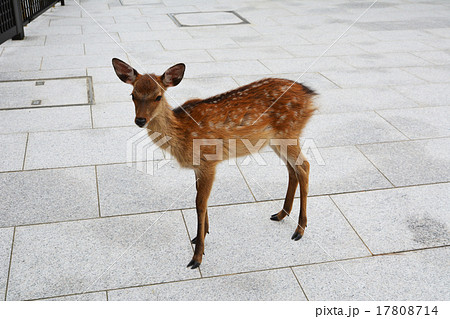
(267, 105)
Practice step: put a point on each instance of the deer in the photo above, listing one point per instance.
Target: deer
(271, 109)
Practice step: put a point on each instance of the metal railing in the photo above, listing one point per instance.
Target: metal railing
(14, 14)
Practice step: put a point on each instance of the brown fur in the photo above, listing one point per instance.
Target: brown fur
(266, 109)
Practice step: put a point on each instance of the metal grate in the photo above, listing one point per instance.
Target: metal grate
(31, 9)
(14, 14)
(6, 16)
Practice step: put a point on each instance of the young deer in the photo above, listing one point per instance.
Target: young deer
(266, 110)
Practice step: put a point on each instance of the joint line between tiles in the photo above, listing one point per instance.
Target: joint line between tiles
(298, 281)
(25, 152)
(356, 146)
(345, 217)
(10, 263)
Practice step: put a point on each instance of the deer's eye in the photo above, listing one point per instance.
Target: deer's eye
(158, 98)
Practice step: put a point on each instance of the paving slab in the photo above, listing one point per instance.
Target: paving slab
(334, 175)
(48, 30)
(173, 8)
(245, 53)
(428, 94)
(63, 194)
(63, 39)
(330, 33)
(393, 46)
(392, 35)
(40, 74)
(116, 91)
(16, 63)
(424, 122)
(301, 65)
(442, 44)
(400, 163)
(74, 257)
(350, 129)
(113, 114)
(102, 75)
(361, 99)
(48, 50)
(379, 278)
(61, 20)
(90, 296)
(177, 34)
(33, 40)
(436, 57)
(269, 40)
(222, 31)
(317, 50)
(384, 60)
(78, 147)
(6, 239)
(77, 61)
(191, 44)
(243, 238)
(268, 285)
(139, 27)
(434, 74)
(371, 77)
(12, 148)
(399, 219)
(45, 119)
(169, 58)
(168, 187)
(130, 47)
(225, 68)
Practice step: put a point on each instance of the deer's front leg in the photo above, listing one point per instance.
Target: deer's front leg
(205, 179)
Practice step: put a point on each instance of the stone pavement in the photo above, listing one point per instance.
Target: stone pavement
(76, 220)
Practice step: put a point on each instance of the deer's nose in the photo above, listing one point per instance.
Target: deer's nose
(140, 121)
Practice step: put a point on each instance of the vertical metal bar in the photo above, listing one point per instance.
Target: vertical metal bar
(17, 8)
(62, 3)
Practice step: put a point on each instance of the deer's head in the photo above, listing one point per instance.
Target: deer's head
(148, 89)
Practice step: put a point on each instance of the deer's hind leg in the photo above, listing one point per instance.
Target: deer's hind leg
(290, 193)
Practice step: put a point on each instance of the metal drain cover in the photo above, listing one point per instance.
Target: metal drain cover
(200, 19)
(45, 93)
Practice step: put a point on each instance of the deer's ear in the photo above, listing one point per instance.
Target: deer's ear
(124, 71)
(173, 75)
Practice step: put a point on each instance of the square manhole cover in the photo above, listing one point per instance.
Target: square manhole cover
(46, 93)
(200, 19)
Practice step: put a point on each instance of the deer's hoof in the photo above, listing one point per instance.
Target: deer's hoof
(193, 264)
(194, 240)
(274, 217)
(296, 236)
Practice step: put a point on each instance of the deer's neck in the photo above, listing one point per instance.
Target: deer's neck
(165, 128)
